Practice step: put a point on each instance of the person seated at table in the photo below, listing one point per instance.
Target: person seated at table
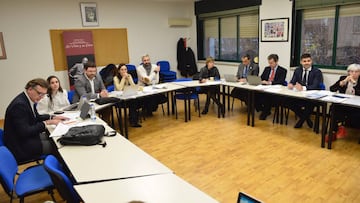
(148, 74)
(55, 99)
(24, 127)
(247, 67)
(347, 84)
(210, 71)
(306, 77)
(90, 84)
(272, 75)
(122, 79)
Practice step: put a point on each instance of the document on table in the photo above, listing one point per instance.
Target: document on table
(317, 94)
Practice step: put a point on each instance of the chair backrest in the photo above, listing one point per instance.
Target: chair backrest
(322, 86)
(110, 88)
(8, 169)
(183, 79)
(1, 137)
(132, 71)
(164, 65)
(107, 74)
(61, 181)
(71, 95)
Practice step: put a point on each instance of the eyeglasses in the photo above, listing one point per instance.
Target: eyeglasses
(41, 94)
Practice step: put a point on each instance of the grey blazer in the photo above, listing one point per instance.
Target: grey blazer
(83, 87)
(252, 70)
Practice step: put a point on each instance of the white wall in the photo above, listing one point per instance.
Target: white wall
(26, 24)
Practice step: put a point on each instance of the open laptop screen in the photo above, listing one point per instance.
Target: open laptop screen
(245, 198)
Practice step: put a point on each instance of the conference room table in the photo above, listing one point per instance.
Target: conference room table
(118, 159)
(281, 91)
(340, 100)
(145, 92)
(163, 188)
(191, 84)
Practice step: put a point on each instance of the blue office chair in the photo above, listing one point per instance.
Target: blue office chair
(71, 95)
(31, 181)
(166, 75)
(110, 88)
(1, 137)
(61, 181)
(132, 71)
(186, 95)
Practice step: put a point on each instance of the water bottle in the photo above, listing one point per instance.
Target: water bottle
(153, 83)
(92, 113)
(83, 99)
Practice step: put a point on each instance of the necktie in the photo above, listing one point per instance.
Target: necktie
(35, 111)
(272, 75)
(304, 80)
(245, 71)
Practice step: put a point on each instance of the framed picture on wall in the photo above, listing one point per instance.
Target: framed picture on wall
(275, 30)
(89, 14)
(2, 47)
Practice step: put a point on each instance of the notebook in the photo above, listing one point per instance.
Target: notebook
(253, 80)
(245, 198)
(230, 78)
(130, 91)
(84, 111)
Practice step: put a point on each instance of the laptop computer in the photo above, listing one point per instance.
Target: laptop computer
(71, 107)
(245, 198)
(130, 91)
(84, 111)
(230, 78)
(253, 80)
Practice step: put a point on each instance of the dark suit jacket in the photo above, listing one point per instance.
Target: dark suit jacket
(252, 70)
(336, 87)
(83, 87)
(315, 78)
(279, 78)
(205, 73)
(22, 129)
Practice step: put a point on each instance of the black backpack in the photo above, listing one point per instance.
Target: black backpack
(84, 135)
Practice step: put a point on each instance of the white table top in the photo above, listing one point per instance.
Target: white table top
(196, 83)
(148, 90)
(166, 188)
(119, 159)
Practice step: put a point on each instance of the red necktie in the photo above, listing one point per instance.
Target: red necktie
(272, 75)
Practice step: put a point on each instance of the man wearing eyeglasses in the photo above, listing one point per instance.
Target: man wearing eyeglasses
(24, 127)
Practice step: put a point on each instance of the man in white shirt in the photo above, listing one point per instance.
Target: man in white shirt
(147, 72)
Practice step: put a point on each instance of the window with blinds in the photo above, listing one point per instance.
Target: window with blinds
(329, 31)
(317, 34)
(348, 37)
(228, 37)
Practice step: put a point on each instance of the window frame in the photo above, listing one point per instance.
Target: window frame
(296, 47)
(232, 13)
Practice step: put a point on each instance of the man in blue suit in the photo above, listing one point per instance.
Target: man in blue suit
(24, 127)
(305, 78)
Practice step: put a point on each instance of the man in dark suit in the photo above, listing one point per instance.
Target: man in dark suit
(24, 127)
(89, 84)
(272, 75)
(245, 68)
(304, 78)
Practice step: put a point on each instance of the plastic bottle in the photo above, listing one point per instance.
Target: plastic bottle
(92, 112)
(81, 102)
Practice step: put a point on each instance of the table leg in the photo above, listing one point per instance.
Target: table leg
(252, 108)
(125, 121)
(323, 128)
